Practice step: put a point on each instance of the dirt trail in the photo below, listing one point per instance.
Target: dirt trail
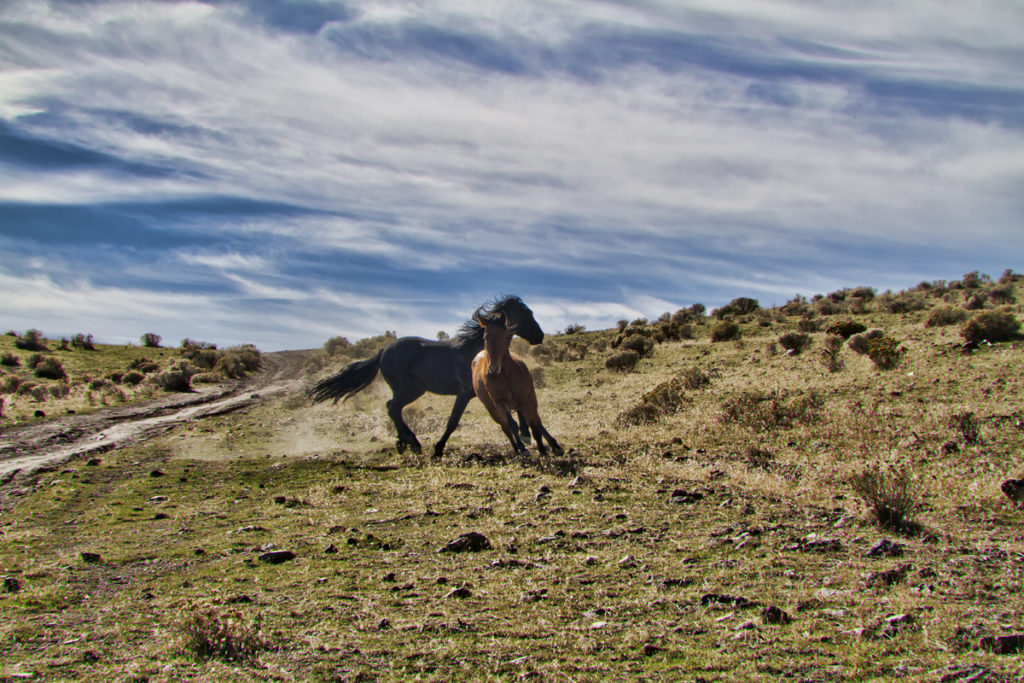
(28, 449)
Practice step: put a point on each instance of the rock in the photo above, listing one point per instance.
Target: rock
(39, 413)
(774, 615)
(738, 601)
(161, 515)
(461, 592)
(1003, 645)
(91, 558)
(651, 650)
(383, 624)
(627, 562)
(330, 549)
(886, 548)
(389, 578)
(93, 462)
(889, 577)
(1013, 489)
(277, 556)
(10, 584)
(156, 473)
(681, 497)
(467, 542)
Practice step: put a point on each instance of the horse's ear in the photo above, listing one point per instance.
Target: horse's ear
(504, 319)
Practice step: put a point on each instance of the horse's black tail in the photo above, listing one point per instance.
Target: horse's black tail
(352, 379)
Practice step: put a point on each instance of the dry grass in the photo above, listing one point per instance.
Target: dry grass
(724, 539)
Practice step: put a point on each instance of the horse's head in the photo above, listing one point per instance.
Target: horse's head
(520, 319)
(497, 339)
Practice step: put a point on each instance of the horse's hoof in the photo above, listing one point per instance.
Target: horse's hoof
(400, 446)
(558, 450)
(416, 448)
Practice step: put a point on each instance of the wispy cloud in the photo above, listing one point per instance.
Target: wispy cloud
(603, 160)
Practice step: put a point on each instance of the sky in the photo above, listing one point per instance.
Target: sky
(280, 172)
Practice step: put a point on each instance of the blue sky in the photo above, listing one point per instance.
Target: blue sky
(281, 172)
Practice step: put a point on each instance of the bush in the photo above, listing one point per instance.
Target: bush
(830, 349)
(10, 384)
(808, 324)
(639, 343)
(151, 340)
(725, 331)
(144, 365)
(83, 341)
(885, 352)
(575, 329)
(133, 377)
(32, 340)
(664, 399)
(623, 361)
(890, 496)
(176, 379)
(942, 316)
(694, 378)
(976, 301)
(763, 411)
(1002, 295)
(10, 360)
(844, 328)
(230, 366)
(336, 345)
(206, 378)
(992, 326)
(50, 368)
(794, 341)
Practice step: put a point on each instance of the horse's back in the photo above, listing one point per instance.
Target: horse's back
(434, 366)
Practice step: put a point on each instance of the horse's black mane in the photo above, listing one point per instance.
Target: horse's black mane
(471, 331)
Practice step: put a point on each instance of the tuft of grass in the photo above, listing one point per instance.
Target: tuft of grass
(943, 316)
(891, 496)
(623, 361)
(225, 635)
(845, 328)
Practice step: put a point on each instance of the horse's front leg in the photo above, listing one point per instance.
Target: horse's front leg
(512, 432)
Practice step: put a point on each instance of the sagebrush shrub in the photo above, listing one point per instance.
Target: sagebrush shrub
(992, 326)
(50, 368)
(623, 361)
(942, 316)
(133, 377)
(830, 349)
(966, 426)
(1002, 294)
(32, 340)
(884, 352)
(83, 341)
(725, 331)
(336, 345)
(639, 343)
(764, 411)
(694, 378)
(151, 340)
(10, 360)
(844, 328)
(664, 399)
(808, 324)
(794, 341)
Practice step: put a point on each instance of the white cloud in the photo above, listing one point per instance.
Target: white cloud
(432, 164)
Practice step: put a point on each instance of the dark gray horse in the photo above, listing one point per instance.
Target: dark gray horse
(413, 366)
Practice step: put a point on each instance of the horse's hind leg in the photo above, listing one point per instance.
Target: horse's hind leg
(406, 437)
(540, 434)
(524, 428)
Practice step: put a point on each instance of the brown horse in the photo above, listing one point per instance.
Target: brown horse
(503, 383)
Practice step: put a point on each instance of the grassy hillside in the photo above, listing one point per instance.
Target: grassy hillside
(59, 376)
(720, 517)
